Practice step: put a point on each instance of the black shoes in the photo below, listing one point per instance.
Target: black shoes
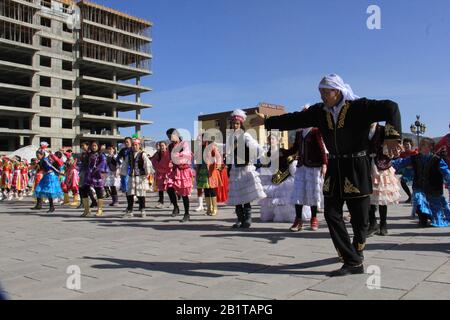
(347, 270)
(175, 211)
(240, 218)
(373, 228)
(247, 219)
(51, 210)
(186, 218)
(383, 231)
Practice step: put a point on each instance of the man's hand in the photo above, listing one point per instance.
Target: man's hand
(258, 120)
(392, 148)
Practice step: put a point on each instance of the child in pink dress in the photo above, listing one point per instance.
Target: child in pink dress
(163, 167)
(181, 174)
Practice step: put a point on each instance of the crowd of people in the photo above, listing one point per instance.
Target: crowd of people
(341, 154)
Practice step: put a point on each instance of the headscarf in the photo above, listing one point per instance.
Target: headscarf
(333, 81)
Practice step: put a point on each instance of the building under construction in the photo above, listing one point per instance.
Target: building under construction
(68, 71)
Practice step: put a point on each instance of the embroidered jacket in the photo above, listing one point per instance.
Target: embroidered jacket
(347, 140)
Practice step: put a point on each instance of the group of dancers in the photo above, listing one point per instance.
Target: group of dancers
(341, 154)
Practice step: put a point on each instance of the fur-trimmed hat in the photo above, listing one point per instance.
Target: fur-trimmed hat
(239, 115)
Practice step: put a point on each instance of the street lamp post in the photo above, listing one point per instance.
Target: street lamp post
(418, 128)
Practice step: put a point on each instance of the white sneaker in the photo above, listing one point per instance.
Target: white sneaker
(128, 215)
(143, 214)
(200, 209)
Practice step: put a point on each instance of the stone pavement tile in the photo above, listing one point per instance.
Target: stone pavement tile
(408, 261)
(429, 291)
(311, 294)
(398, 278)
(442, 274)
(364, 293)
(341, 285)
(281, 287)
(119, 292)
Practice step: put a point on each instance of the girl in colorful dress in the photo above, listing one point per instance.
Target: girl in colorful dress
(113, 178)
(222, 191)
(18, 183)
(312, 163)
(180, 182)
(72, 179)
(94, 178)
(163, 166)
(138, 167)
(430, 173)
(32, 170)
(244, 182)
(49, 186)
(208, 174)
(7, 175)
(386, 189)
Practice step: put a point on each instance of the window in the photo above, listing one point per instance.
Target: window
(45, 102)
(67, 47)
(45, 22)
(67, 104)
(46, 42)
(46, 61)
(46, 3)
(67, 143)
(45, 122)
(45, 81)
(67, 65)
(66, 28)
(67, 85)
(46, 139)
(67, 123)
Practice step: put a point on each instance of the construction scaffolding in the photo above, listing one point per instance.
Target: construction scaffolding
(93, 51)
(17, 11)
(114, 19)
(115, 38)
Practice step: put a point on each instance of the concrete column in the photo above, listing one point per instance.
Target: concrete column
(138, 111)
(114, 109)
(76, 104)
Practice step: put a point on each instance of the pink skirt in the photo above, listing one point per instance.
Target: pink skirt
(181, 181)
(386, 187)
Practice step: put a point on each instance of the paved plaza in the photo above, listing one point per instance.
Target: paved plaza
(161, 258)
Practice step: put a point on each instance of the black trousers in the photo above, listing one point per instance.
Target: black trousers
(86, 192)
(359, 211)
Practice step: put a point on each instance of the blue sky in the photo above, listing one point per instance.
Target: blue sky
(217, 55)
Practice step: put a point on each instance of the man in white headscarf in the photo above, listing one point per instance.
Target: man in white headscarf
(344, 121)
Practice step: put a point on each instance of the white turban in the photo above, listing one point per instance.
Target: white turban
(333, 81)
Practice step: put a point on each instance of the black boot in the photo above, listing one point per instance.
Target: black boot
(52, 207)
(186, 217)
(240, 217)
(38, 205)
(373, 225)
(175, 211)
(383, 221)
(247, 220)
(423, 220)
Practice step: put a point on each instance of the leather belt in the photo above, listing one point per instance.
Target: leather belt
(348, 156)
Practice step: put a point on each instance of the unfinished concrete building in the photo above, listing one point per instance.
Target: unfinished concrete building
(66, 85)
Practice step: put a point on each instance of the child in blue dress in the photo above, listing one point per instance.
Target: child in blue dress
(430, 174)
